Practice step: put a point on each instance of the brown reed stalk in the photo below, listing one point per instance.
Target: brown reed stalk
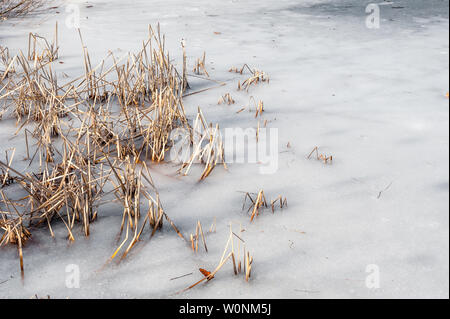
(227, 99)
(321, 157)
(259, 203)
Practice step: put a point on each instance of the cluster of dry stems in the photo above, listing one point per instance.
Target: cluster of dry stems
(16, 8)
(88, 140)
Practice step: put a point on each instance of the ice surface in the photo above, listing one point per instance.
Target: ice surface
(373, 98)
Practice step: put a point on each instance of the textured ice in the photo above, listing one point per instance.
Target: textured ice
(373, 98)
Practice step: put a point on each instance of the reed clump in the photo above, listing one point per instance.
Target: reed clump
(195, 238)
(200, 68)
(226, 99)
(258, 202)
(88, 140)
(326, 159)
(6, 64)
(39, 48)
(208, 148)
(16, 8)
(257, 76)
(259, 106)
(240, 70)
(236, 252)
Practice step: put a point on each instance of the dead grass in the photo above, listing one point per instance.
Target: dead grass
(39, 48)
(200, 68)
(321, 157)
(259, 106)
(258, 202)
(240, 70)
(234, 247)
(87, 154)
(208, 148)
(256, 77)
(16, 8)
(195, 238)
(226, 99)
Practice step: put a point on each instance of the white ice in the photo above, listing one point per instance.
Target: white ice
(373, 98)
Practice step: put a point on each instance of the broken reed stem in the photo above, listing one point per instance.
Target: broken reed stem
(208, 148)
(16, 8)
(256, 77)
(226, 99)
(194, 239)
(228, 253)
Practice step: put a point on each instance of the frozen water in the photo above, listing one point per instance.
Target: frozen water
(373, 98)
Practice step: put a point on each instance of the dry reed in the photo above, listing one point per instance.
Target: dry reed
(226, 99)
(88, 151)
(321, 157)
(88, 140)
(208, 148)
(200, 67)
(231, 252)
(259, 203)
(16, 8)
